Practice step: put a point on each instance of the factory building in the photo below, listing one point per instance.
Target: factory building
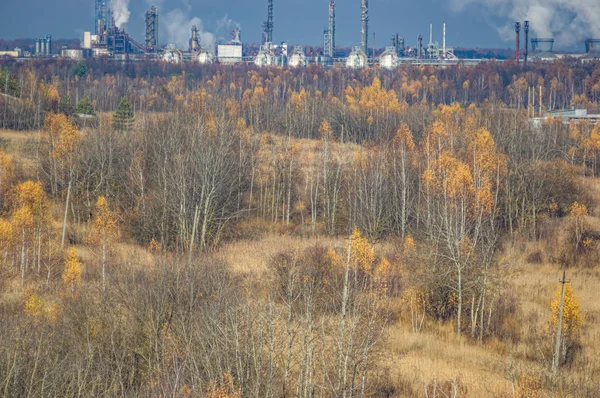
(232, 52)
(16, 53)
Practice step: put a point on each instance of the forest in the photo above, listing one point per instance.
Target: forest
(214, 231)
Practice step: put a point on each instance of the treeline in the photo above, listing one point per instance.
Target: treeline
(152, 86)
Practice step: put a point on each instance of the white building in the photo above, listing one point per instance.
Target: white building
(229, 53)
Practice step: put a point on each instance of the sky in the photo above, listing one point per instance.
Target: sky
(469, 23)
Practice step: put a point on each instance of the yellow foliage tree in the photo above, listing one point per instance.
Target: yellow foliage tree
(7, 238)
(362, 252)
(30, 216)
(72, 272)
(7, 174)
(64, 138)
(572, 318)
(104, 232)
(578, 212)
(34, 305)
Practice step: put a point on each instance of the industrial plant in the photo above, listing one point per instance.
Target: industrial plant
(109, 40)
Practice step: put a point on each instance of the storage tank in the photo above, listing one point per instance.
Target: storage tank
(265, 56)
(389, 59)
(357, 59)
(298, 58)
(204, 57)
(173, 56)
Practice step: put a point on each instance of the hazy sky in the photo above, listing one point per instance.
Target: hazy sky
(296, 21)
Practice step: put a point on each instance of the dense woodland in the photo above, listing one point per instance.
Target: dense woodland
(410, 187)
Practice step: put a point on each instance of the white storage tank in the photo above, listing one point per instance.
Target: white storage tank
(172, 55)
(298, 58)
(357, 59)
(204, 57)
(265, 56)
(389, 59)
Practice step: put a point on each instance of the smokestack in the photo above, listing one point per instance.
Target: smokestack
(430, 33)
(420, 47)
(444, 42)
(518, 31)
(365, 27)
(526, 52)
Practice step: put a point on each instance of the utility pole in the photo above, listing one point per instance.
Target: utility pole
(556, 360)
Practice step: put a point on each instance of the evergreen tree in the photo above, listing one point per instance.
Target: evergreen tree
(80, 70)
(123, 117)
(84, 107)
(66, 106)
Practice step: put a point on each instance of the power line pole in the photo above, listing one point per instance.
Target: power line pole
(556, 360)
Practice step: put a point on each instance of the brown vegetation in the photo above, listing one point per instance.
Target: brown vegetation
(279, 233)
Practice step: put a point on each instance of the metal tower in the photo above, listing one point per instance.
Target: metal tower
(194, 41)
(268, 26)
(152, 29)
(103, 16)
(364, 43)
(330, 36)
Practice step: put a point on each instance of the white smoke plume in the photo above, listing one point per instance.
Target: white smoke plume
(179, 29)
(567, 21)
(120, 12)
(224, 27)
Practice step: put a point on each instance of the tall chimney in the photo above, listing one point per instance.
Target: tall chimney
(526, 52)
(518, 31)
(430, 33)
(365, 27)
(444, 42)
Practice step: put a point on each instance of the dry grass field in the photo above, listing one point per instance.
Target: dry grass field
(435, 356)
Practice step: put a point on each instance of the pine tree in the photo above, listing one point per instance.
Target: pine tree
(123, 117)
(66, 106)
(84, 107)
